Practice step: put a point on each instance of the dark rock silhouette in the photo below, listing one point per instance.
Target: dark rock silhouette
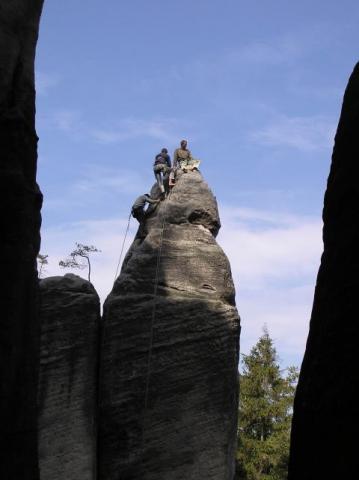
(188, 429)
(20, 202)
(325, 422)
(70, 313)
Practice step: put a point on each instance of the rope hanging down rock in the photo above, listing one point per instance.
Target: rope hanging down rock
(123, 245)
(153, 315)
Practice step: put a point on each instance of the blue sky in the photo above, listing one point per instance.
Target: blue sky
(255, 87)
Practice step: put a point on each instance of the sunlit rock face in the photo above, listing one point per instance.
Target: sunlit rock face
(325, 424)
(67, 395)
(20, 202)
(171, 412)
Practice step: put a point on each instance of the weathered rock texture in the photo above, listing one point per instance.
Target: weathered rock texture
(20, 202)
(188, 430)
(70, 313)
(325, 424)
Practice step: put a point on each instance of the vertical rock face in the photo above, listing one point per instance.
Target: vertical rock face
(20, 202)
(325, 422)
(70, 312)
(168, 376)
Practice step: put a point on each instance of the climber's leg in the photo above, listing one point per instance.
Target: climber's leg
(157, 170)
(166, 179)
(172, 178)
(138, 214)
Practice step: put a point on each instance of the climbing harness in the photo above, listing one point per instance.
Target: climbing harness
(123, 245)
(153, 315)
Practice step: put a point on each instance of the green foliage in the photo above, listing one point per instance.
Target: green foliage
(265, 413)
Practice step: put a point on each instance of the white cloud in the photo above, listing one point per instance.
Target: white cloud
(277, 52)
(71, 122)
(302, 133)
(45, 82)
(202, 71)
(68, 121)
(266, 246)
(131, 128)
(318, 91)
(274, 259)
(271, 255)
(98, 181)
(286, 312)
(96, 186)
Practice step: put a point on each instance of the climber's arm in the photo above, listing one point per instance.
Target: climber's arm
(152, 200)
(175, 159)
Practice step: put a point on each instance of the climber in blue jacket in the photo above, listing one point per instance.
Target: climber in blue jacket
(162, 168)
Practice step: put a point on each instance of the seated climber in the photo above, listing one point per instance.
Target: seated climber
(138, 208)
(183, 159)
(162, 168)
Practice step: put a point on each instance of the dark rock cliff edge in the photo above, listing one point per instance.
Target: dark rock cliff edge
(188, 430)
(70, 314)
(325, 424)
(20, 202)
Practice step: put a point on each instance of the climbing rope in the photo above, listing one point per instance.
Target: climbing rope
(123, 245)
(103, 330)
(153, 315)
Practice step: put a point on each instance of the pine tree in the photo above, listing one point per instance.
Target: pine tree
(265, 412)
(83, 252)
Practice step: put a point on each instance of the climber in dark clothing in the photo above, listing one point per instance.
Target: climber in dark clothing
(138, 208)
(163, 158)
(162, 168)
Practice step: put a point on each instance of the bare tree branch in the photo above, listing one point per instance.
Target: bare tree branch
(42, 260)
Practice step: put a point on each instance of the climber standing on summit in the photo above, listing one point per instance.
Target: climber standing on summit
(182, 158)
(161, 168)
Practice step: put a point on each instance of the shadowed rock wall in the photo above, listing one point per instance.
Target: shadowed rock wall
(325, 423)
(20, 202)
(70, 313)
(189, 428)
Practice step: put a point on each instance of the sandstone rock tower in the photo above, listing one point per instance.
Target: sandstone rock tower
(168, 375)
(67, 394)
(20, 203)
(325, 422)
